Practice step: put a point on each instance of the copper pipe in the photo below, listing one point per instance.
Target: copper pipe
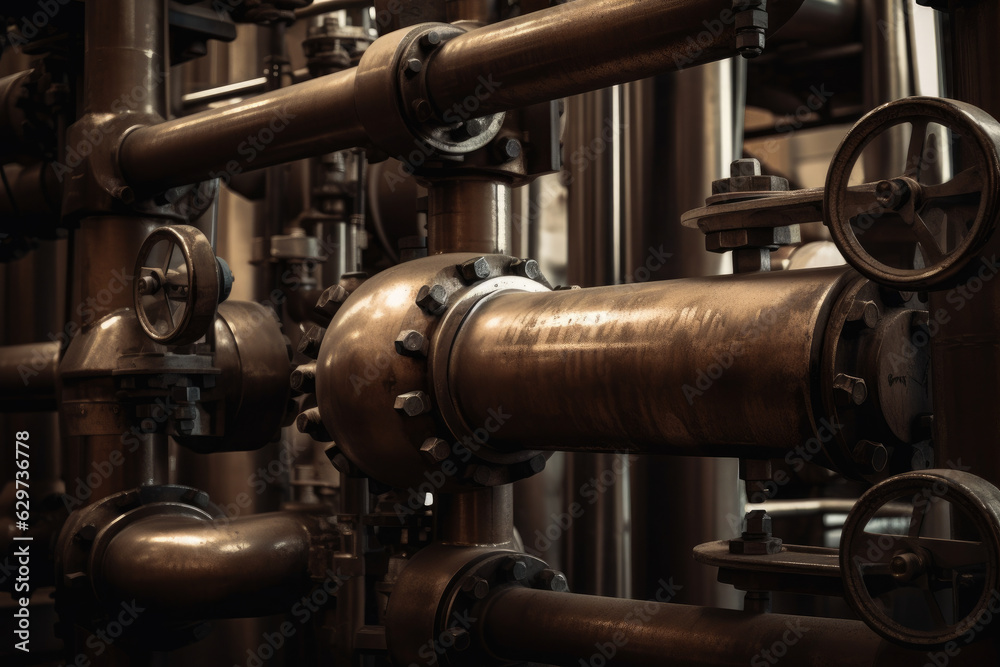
(531, 59)
(568, 629)
(649, 368)
(185, 564)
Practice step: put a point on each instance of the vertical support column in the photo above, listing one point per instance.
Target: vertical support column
(125, 73)
(469, 214)
(694, 127)
(965, 353)
(598, 543)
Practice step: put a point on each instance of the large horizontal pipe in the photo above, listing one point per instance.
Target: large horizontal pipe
(567, 629)
(585, 45)
(308, 118)
(181, 564)
(28, 377)
(721, 366)
(529, 59)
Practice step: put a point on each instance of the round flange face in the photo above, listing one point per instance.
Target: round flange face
(381, 375)
(919, 556)
(176, 286)
(915, 226)
(875, 380)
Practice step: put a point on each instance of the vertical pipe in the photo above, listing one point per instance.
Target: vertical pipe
(483, 517)
(469, 214)
(124, 51)
(965, 353)
(888, 77)
(695, 122)
(598, 553)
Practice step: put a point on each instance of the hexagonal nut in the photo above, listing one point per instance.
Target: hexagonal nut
(432, 298)
(474, 269)
(770, 546)
(515, 567)
(527, 268)
(411, 344)
(413, 403)
(750, 43)
(745, 167)
(850, 390)
(757, 522)
(477, 587)
(554, 580)
(331, 299)
(873, 456)
(435, 450)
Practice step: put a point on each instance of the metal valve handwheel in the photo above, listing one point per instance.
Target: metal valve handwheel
(910, 230)
(179, 283)
(919, 557)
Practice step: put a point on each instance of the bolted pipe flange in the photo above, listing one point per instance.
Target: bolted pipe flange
(411, 427)
(83, 541)
(458, 583)
(413, 122)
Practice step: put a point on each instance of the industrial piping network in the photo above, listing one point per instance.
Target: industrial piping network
(453, 368)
